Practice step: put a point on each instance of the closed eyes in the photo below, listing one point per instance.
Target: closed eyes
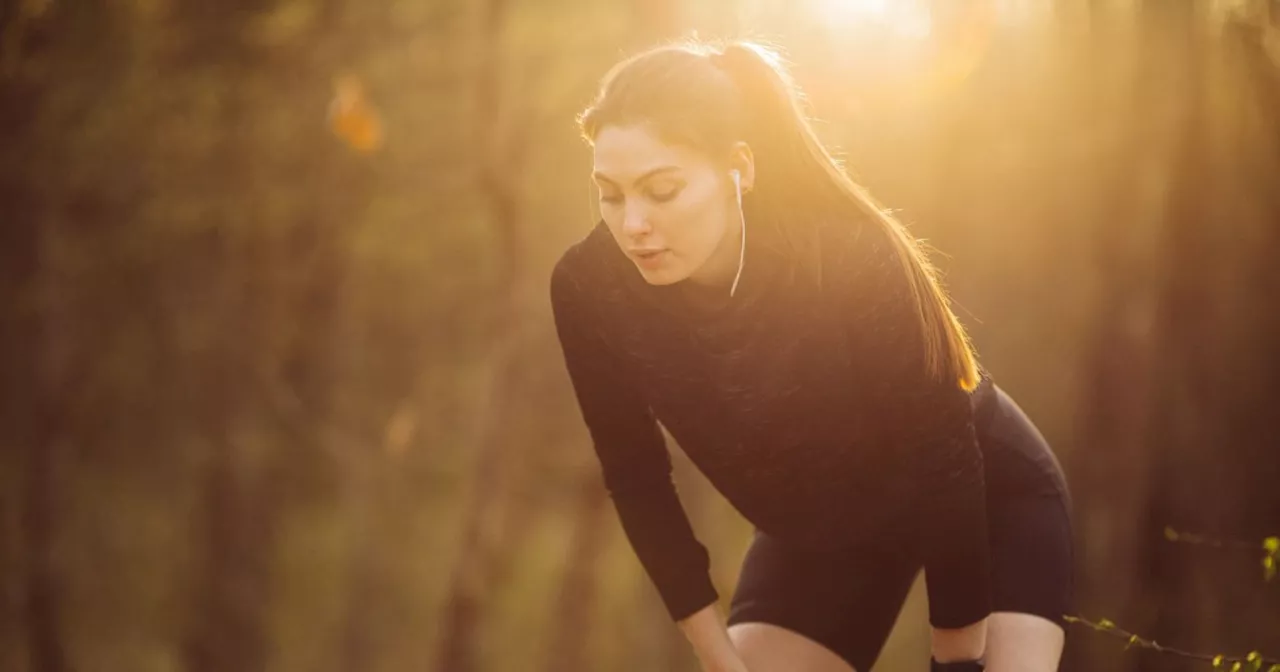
(655, 196)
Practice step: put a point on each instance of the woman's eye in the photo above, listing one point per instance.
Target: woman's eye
(611, 199)
(664, 196)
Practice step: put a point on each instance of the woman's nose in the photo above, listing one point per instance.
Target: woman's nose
(635, 221)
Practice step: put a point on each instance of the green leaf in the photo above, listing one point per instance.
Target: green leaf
(1271, 545)
(1133, 639)
(1235, 667)
(1170, 533)
(1274, 668)
(1268, 568)
(1217, 660)
(1106, 624)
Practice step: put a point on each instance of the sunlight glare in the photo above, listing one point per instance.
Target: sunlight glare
(854, 8)
(903, 18)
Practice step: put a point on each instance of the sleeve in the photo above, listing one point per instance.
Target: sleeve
(953, 529)
(633, 457)
(932, 421)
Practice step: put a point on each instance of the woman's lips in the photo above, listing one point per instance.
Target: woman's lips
(649, 258)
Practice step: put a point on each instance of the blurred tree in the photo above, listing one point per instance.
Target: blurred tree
(41, 352)
(241, 503)
(1182, 359)
(499, 151)
(572, 611)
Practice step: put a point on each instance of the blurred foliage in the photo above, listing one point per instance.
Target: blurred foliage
(281, 388)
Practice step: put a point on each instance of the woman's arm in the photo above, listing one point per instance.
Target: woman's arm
(953, 527)
(631, 449)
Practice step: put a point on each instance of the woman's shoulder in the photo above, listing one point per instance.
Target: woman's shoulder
(586, 269)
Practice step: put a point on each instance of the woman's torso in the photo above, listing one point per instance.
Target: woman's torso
(764, 397)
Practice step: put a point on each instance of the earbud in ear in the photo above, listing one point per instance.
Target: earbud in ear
(742, 247)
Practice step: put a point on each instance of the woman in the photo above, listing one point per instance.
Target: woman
(796, 343)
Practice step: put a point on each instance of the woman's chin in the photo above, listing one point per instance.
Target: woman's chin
(665, 275)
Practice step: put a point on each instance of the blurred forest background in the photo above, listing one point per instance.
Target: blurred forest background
(281, 389)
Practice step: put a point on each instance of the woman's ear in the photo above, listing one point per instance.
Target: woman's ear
(742, 160)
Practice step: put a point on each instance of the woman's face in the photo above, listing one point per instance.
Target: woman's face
(671, 209)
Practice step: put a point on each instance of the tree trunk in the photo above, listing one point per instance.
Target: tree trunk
(54, 385)
(37, 354)
(241, 499)
(572, 614)
(477, 567)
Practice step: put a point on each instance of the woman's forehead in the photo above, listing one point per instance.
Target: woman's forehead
(626, 153)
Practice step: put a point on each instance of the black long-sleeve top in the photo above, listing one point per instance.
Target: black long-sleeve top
(804, 400)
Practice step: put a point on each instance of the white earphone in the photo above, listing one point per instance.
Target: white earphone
(742, 250)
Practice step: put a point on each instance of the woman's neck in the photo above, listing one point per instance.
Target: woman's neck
(717, 273)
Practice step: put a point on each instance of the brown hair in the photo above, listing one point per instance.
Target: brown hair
(708, 96)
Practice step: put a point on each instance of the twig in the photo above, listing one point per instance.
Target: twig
(1252, 661)
(1270, 547)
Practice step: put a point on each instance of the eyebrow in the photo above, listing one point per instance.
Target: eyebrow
(642, 178)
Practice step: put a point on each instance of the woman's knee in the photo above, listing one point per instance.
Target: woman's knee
(1023, 643)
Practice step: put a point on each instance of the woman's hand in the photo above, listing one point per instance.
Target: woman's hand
(707, 632)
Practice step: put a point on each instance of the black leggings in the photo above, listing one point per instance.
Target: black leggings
(848, 600)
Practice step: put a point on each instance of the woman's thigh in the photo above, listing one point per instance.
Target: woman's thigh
(766, 647)
(817, 608)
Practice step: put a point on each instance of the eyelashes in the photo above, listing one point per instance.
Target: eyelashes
(664, 196)
(656, 197)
